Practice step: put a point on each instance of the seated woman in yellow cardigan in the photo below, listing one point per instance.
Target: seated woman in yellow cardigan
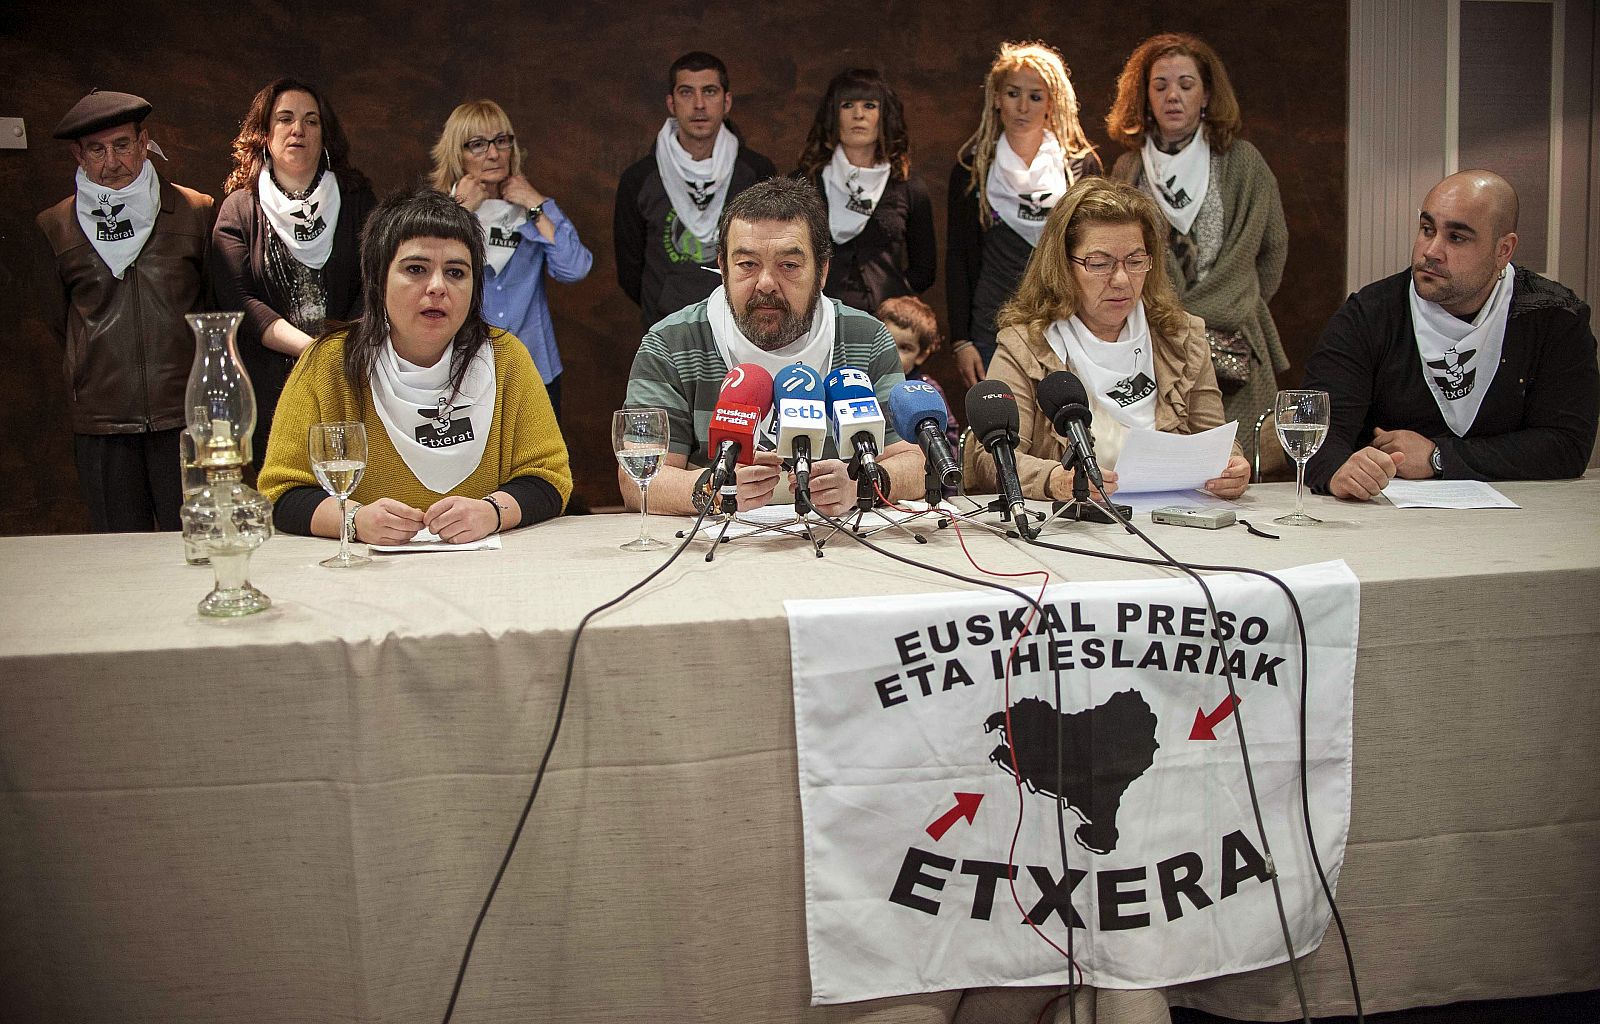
(461, 437)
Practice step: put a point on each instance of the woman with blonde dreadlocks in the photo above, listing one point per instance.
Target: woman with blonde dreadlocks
(1028, 150)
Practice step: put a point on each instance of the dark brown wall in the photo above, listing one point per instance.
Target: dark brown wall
(584, 86)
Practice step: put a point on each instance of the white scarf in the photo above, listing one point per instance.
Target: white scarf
(1120, 377)
(118, 221)
(304, 226)
(853, 193)
(407, 397)
(1459, 359)
(500, 221)
(1022, 194)
(814, 348)
(696, 188)
(1179, 179)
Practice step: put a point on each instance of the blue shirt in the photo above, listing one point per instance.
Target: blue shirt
(514, 298)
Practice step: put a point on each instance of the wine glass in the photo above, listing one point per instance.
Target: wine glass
(1302, 421)
(639, 437)
(338, 456)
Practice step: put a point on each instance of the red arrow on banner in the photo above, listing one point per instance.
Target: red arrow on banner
(1205, 725)
(966, 807)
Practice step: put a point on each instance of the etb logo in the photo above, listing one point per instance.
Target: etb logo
(802, 411)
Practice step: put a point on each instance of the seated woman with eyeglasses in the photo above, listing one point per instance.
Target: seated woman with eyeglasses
(1096, 300)
(525, 235)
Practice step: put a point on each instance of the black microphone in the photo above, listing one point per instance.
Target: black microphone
(992, 414)
(1062, 397)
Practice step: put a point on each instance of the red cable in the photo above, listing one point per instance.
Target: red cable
(1016, 769)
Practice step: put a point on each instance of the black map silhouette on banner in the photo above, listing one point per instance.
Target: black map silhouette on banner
(1106, 748)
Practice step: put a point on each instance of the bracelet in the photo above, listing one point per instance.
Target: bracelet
(958, 346)
(496, 506)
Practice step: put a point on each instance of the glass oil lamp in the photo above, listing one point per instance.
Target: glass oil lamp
(226, 519)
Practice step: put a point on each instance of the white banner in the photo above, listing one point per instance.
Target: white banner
(908, 756)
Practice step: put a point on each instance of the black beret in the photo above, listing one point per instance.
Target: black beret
(100, 110)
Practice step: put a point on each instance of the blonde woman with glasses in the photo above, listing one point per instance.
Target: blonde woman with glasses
(526, 236)
(1096, 300)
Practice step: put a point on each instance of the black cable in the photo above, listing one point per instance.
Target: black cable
(1305, 798)
(550, 746)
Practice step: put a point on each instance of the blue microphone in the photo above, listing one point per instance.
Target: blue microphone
(802, 420)
(917, 410)
(854, 415)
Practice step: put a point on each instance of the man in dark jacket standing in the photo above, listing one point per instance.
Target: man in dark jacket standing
(128, 253)
(1463, 367)
(665, 224)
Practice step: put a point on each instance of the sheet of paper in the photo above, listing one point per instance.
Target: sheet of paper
(428, 541)
(1153, 460)
(1445, 494)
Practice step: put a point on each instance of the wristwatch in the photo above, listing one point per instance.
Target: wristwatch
(350, 510)
(537, 212)
(1436, 460)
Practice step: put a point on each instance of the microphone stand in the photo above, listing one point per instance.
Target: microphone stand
(869, 476)
(723, 512)
(1081, 509)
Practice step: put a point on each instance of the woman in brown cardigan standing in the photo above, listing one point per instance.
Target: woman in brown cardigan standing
(1096, 300)
(1177, 115)
(287, 243)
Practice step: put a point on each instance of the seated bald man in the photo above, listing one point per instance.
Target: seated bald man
(1463, 367)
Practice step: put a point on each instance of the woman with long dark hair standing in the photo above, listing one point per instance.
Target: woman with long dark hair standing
(858, 155)
(1028, 150)
(288, 236)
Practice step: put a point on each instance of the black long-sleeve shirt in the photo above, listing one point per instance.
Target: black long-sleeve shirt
(982, 268)
(1537, 421)
(895, 254)
(660, 265)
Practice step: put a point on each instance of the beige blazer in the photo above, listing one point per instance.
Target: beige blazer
(1187, 401)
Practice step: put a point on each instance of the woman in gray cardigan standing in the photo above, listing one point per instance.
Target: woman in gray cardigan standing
(1177, 116)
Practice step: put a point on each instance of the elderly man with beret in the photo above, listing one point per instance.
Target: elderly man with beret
(127, 261)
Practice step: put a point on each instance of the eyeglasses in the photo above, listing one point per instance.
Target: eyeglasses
(122, 147)
(479, 146)
(1105, 266)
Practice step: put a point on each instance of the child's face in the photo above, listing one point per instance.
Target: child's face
(911, 355)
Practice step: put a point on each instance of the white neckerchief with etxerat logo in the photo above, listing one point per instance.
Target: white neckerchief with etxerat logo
(696, 188)
(853, 193)
(1179, 179)
(1459, 359)
(442, 445)
(1120, 377)
(304, 226)
(118, 221)
(500, 221)
(1022, 194)
(814, 348)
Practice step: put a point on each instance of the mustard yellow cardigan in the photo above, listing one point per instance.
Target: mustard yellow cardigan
(524, 439)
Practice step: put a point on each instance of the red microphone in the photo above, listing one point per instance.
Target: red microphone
(743, 404)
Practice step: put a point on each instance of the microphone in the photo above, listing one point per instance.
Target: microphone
(992, 415)
(802, 420)
(855, 417)
(744, 401)
(917, 410)
(1062, 397)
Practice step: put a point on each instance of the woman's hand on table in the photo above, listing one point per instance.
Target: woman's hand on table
(459, 520)
(387, 521)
